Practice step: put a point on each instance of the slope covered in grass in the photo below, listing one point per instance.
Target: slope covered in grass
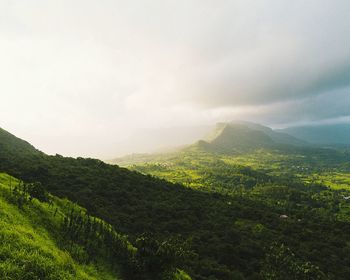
(28, 245)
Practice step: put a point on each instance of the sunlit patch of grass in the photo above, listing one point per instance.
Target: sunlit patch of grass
(28, 249)
(335, 180)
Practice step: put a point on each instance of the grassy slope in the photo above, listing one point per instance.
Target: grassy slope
(28, 248)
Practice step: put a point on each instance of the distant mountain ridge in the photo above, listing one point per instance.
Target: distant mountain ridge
(227, 137)
(238, 136)
(325, 134)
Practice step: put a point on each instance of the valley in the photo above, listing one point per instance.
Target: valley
(222, 210)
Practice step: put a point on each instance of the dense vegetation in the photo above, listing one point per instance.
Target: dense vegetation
(45, 237)
(228, 222)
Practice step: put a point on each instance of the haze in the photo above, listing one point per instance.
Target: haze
(105, 78)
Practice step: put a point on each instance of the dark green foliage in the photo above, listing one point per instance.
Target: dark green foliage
(281, 263)
(36, 190)
(160, 259)
(91, 239)
(23, 193)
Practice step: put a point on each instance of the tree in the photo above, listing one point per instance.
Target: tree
(36, 190)
(281, 263)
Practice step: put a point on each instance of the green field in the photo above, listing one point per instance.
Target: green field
(191, 165)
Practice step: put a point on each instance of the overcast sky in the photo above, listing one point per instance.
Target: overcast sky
(84, 77)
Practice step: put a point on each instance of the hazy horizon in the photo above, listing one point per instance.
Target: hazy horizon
(106, 78)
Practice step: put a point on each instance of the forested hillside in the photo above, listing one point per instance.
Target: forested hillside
(299, 179)
(44, 237)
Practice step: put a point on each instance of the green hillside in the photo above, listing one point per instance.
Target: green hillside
(29, 246)
(224, 221)
(9, 143)
(250, 145)
(297, 180)
(44, 237)
(110, 193)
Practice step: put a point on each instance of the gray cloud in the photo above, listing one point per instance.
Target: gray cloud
(97, 72)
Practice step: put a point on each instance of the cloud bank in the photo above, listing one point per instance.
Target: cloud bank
(80, 77)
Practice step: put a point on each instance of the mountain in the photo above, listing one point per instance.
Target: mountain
(258, 168)
(321, 134)
(232, 137)
(218, 219)
(242, 136)
(276, 136)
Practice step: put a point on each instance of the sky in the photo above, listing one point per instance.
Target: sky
(105, 78)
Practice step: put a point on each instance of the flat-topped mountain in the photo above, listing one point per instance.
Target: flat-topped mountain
(231, 137)
(237, 136)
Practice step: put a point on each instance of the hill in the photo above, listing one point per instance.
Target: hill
(30, 236)
(9, 143)
(224, 221)
(322, 134)
(276, 136)
(44, 237)
(108, 192)
(243, 136)
(226, 138)
(262, 172)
